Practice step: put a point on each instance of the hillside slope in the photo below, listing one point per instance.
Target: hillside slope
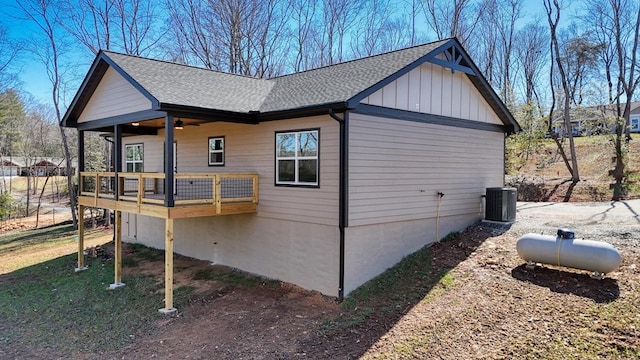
(544, 176)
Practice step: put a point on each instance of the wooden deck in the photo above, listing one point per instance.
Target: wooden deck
(195, 195)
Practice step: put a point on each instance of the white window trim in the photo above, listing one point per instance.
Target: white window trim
(297, 158)
(210, 151)
(133, 161)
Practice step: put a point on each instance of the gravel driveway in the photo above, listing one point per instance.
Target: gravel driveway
(615, 222)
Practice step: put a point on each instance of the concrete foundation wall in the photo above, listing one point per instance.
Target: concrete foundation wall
(372, 249)
(300, 253)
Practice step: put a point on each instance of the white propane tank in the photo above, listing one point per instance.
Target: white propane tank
(564, 250)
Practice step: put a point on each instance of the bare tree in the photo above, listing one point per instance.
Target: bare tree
(452, 18)
(338, 16)
(601, 28)
(9, 50)
(128, 26)
(578, 55)
(626, 20)
(44, 15)
(196, 43)
(303, 16)
(238, 36)
(552, 9)
(532, 54)
(376, 31)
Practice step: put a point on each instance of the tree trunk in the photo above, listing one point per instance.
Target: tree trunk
(72, 198)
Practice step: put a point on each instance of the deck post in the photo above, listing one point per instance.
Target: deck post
(117, 283)
(168, 271)
(81, 265)
(169, 166)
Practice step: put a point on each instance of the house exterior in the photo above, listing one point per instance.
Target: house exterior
(594, 120)
(323, 178)
(10, 166)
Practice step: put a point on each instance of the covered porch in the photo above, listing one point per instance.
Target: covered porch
(166, 195)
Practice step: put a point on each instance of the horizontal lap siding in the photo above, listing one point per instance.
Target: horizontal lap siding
(397, 167)
(113, 96)
(251, 149)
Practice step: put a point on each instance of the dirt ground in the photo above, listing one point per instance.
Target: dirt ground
(491, 306)
(495, 308)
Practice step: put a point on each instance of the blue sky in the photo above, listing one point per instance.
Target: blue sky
(34, 78)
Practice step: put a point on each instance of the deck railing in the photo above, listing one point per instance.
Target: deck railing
(189, 189)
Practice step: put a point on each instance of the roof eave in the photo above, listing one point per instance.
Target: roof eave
(320, 109)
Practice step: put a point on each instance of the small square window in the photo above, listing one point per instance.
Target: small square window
(635, 124)
(216, 151)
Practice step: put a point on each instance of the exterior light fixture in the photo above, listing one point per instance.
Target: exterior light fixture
(135, 123)
(179, 125)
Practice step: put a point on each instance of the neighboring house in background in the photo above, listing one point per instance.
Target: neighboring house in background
(40, 166)
(594, 120)
(37, 166)
(10, 166)
(326, 177)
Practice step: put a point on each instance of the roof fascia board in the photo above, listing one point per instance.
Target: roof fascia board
(211, 115)
(406, 115)
(302, 112)
(121, 119)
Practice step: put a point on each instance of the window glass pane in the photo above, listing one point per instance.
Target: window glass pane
(308, 171)
(138, 167)
(129, 167)
(308, 144)
(129, 153)
(138, 153)
(215, 158)
(215, 144)
(286, 145)
(286, 170)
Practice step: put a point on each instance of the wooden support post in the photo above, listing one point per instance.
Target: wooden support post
(168, 269)
(81, 266)
(218, 193)
(255, 188)
(117, 283)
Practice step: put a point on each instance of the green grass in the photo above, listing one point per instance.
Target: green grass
(49, 306)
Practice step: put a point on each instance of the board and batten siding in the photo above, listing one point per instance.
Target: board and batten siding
(113, 96)
(433, 89)
(397, 168)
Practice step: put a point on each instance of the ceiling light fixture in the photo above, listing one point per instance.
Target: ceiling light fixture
(179, 125)
(135, 123)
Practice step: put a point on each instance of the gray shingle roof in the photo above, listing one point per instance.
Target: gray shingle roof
(340, 82)
(185, 85)
(175, 87)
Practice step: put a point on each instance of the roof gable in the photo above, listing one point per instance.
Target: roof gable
(175, 87)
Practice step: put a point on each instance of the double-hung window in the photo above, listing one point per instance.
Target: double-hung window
(134, 160)
(297, 158)
(216, 151)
